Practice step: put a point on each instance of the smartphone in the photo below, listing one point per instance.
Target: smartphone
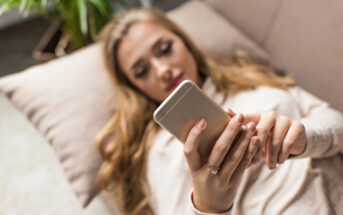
(184, 107)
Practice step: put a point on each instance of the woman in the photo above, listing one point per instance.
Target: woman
(147, 171)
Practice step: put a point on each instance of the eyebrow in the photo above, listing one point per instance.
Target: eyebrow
(153, 47)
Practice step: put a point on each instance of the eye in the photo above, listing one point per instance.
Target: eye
(165, 48)
(141, 71)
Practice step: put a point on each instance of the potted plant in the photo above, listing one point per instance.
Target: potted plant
(75, 23)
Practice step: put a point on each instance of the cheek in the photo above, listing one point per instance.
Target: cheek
(185, 59)
(150, 89)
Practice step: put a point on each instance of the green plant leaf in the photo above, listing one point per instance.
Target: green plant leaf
(103, 6)
(23, 5)
(97, 21)
(82, 7)
(4, 8)
(43, 3)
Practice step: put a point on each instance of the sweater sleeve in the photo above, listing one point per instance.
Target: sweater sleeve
(191, 210)
(323, 125)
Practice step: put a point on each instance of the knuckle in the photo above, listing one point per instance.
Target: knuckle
(272, 114)
(276, 142)
(284, 119)
(195, 132)
(262, 130)
(233, 124)
(187, 151)
(288, 144)
(220, 148)
(231, 129)
(299, 125)
(234, 156)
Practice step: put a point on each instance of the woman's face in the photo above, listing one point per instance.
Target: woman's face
(155, 60)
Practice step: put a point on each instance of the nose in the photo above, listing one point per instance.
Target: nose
(163, 70)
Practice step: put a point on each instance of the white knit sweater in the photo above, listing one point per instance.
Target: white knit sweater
(308, 184)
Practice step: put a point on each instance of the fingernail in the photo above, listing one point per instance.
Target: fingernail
(272, 166)
(201, 124)
(239, 117)
(251, 126)
(230, 110)
(255, 141)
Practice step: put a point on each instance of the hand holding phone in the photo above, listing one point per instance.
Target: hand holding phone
(179, 113)
(184, 107)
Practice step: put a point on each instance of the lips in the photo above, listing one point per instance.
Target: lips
(175, 82)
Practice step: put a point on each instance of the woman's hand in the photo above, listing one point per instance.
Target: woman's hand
(280, 136)
(216, 180)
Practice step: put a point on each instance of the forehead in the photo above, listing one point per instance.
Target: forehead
(138, 42)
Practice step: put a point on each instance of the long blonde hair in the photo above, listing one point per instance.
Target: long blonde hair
(125, 140)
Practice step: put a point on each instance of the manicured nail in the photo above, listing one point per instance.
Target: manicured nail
(201, 124)
(239, 117)
(251, 126)
(255, 141)
(230, 111)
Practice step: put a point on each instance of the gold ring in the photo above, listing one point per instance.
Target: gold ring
(214, 170)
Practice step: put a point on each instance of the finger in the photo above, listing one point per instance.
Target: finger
(230, 112)
(252, 149)
(264, 150)
(288, 142)
(252, 117)
(263, 128)
(237, 152)
(225, 140)
(280, 129)
(190, 148)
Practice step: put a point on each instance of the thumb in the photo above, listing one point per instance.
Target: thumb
(191, 145)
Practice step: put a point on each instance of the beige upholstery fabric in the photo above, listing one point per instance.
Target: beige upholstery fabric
(252, 17)
(71, 98)
(67, 101)
(307, 40)
(304, 38)
(212, 32)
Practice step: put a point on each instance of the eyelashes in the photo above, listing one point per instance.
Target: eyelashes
(164, 49)
(141, 72)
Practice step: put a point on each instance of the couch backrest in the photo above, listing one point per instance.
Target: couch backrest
(304, 38)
